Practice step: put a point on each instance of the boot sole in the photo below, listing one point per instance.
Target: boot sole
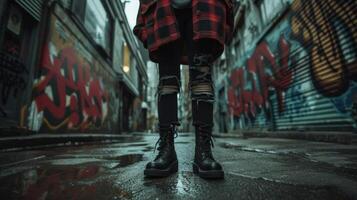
(172, 168)
(207, 174)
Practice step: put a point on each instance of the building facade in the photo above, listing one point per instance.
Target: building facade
(70, 66)
(292, 65)
(152, 97)
(184, 102)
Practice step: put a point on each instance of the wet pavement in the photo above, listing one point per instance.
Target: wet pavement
(259, 168)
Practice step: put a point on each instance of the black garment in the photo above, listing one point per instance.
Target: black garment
(202, 97)
(165, 162)
(179, 4)
(169, 66)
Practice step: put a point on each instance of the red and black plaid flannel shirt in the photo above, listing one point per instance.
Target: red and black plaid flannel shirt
(156, 23)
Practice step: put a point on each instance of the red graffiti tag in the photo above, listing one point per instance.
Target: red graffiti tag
(250, 84)
(77, 94)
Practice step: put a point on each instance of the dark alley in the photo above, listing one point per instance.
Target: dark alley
(178, 99)
(255, 168)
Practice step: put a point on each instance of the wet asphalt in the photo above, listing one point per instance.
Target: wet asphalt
(256, 168)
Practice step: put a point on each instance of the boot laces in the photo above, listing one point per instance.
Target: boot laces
(165, 133)
(207, 140)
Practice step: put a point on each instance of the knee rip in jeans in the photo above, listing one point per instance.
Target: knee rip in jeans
(204, 73)
(201, 85)
(200, 59)
(202, 91)
(168, 85)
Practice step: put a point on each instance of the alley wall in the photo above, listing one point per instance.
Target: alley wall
(293, 70)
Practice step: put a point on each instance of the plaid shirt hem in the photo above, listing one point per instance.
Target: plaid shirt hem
(156, 23)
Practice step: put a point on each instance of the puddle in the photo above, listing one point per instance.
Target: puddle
(64, 182)
(56, 182)
(70, 178)
(129, 159)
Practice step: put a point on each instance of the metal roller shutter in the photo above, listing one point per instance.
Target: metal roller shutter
(33, 7)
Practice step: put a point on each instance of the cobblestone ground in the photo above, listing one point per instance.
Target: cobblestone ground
(254, 169)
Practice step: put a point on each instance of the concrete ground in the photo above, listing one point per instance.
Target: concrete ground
(256, 168)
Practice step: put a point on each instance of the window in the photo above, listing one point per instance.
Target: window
(96, 21)
(269, 9)
(13, 35)
(18, 29)
(126, 60)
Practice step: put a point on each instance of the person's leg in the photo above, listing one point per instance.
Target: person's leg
(202, 97)
(169, 86)
(166, 162)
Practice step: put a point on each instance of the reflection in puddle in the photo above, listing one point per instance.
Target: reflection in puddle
(66, 178)
(50, 183)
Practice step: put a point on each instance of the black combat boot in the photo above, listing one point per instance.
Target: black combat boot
(165, 162)
(204, 164)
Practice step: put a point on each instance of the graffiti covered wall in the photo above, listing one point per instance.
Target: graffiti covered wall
(303, 73)
(74, 91)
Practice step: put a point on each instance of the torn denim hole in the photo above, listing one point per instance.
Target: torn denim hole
(201, 84)
(200, 59)
(202, 91)
(205, 72)
(168, 88)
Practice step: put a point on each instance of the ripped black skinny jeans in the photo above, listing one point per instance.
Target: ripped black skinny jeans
(200, 84)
